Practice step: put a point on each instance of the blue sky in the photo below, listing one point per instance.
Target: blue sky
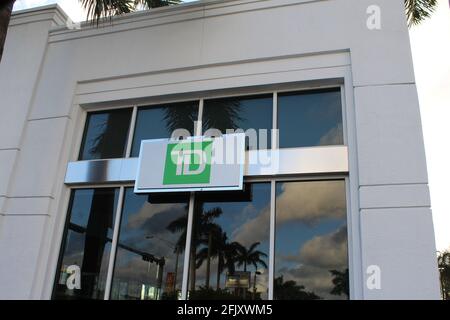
(431, 52)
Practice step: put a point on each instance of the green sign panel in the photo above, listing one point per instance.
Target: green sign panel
(188, 163)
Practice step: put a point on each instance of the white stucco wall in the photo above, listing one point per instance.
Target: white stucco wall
(47, 72)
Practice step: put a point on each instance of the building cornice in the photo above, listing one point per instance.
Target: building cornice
(52, 13)
(166, 15)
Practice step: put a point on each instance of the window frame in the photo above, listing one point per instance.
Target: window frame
(85, 131)
(340, 89)
(272, 227)
(68, 217)
(274, 90)
(138, 107)
(201, 99)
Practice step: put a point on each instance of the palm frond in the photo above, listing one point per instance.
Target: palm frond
(201, 256)
(419, 10)
(212, 214)
(256, 254)
(101, 9)
(179, 224)
(253, 246)
(155, 3)
(259, 262)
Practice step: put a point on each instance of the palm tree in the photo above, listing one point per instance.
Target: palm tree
(225, 252)
(98, 9)
(5, 15)
(181, 115)
(340, 282)
(290, 290)
(416, 10)
(419, 10)
(222, 114)
(203, 229)
(251, 256)
(208, 231)
(444, 274)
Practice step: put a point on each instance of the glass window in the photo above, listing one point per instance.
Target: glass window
(310, 118)
(150, 250)
(230, 245)
(252, 114)
(86, 249)
(157, 122)
(106, 134)
(311, 260)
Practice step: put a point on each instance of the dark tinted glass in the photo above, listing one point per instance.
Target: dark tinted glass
(231, 244)
(158, 122)
(311, 260)
(105, 134)
(310, 118)
(150, 250)
(251, 114)
(86, 249)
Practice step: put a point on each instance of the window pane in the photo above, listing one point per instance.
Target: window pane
(231, 244)
(312, 118)
(311, 260)
(157, 122)
(254, 113)
(150, 250)
(84, 258)
(106, 134)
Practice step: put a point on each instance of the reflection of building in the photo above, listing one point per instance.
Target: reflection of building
(238, 280)
(170, 281)
(350, 193)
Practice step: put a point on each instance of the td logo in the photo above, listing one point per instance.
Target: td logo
(188, 163)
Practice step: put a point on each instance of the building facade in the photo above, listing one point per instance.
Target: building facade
(345, 214)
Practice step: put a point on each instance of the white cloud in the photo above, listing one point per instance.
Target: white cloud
(308, 202)
(317, 280)
(256, 229)
(311, 201)
(314, 261)
(151, 210)
(333, 136)
(328, 251)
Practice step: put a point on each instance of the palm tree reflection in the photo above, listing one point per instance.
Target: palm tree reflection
(340, 282)
(290, 290)
(211, 243)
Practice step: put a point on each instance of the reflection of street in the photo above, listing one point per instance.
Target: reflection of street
(170, 288)
(229, 247)
(144, 222)
(146, 256)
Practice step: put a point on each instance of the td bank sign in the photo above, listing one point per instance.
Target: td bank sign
(188, 163)
(195, 164)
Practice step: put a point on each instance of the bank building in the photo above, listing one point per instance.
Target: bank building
(326, 193)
